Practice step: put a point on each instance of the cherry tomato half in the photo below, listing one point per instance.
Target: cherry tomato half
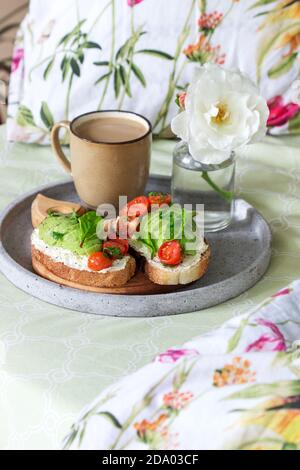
(170, 253)
(138, 207)
(116, 249)
(98, 261)
(159, 199)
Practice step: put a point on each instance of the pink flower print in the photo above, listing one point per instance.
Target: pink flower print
(209, 21)
(281, 113)
(17, 58)
(132, 3)
(268, 342)
(173, 355)
(282, 292)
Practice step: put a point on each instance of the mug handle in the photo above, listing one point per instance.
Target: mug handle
(56, 146)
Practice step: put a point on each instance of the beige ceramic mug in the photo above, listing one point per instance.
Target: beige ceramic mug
(109, 155)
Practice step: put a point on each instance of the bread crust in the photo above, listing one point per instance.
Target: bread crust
(96, 279)
(159, 275)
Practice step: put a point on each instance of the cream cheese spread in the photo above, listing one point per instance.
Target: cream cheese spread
(70, 259)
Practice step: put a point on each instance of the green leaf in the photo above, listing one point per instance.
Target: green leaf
(111, 418)
(283, 66)
(124, 50)
(46, 116)
(294, 124)
(103, 62)
(65, 67)
(81, 57)
(122, 74)
(25, 117)
(235, 339)
(92, 45)
(112, 251)
(75, 67)
(270, 43)
(88, 225)
(70, 439)
(65, 39)
(285, 388)
(286, 406)
(290, 446)
(57, 235)
(139, 74)
(117, 81)
(48, 69)
(261, 3)
(103, 77)
(125, 80)
(154, 52)
(128, 89)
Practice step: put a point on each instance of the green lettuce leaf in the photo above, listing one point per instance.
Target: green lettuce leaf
(172, 223)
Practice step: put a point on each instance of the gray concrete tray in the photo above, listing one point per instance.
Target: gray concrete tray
(240, 256)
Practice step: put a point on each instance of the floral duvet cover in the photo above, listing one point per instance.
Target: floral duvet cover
(235, 388)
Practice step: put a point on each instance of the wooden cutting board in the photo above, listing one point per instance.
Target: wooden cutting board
(138, 285)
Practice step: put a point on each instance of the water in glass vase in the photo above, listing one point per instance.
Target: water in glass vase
(211, 185)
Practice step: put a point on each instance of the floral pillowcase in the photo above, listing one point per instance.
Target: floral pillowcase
(81, 55)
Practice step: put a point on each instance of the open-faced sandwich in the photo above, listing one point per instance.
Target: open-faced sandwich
(68, 247)
(167, 236)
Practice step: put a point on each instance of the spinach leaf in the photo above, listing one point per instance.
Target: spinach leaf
(57, 235)
(88, 225)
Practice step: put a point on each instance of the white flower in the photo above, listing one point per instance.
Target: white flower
(296, 92)
(223, 111)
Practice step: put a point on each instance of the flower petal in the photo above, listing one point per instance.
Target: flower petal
(179, 126)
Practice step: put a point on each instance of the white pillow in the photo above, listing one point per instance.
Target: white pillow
(160, 31)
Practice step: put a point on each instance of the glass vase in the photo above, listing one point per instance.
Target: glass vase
(211, 185)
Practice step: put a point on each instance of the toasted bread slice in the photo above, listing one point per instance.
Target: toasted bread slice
(192, 269)
(109, 278)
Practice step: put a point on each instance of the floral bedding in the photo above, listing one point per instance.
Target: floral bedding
(80, 55)
(235, 388)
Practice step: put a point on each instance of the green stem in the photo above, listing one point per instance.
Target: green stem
(68, 96)
(99, 16)
(162, 115)
(77, 11)
(130, 58)
(227, 195)
(112, 54)
(203, 6)
(50, 57)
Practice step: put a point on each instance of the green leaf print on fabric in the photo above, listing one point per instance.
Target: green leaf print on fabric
(72, 46)
(156, 53)
(25, 117)
(111, 418)
(283, 66)
(284, 388)
(294, 124)
(121, 65)
(262, 3)
(235, 339)
(46, 116)
(139, 74)
(279, 29)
